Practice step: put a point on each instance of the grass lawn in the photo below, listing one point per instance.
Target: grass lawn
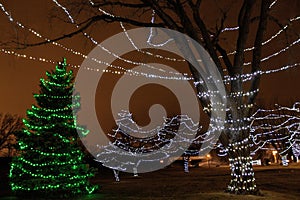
(275, 182)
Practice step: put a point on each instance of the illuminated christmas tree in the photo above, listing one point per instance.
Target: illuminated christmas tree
(51, 161)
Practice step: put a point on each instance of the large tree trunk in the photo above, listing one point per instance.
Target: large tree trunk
(242, 174)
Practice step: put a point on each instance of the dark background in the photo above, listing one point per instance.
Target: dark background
(19, 77)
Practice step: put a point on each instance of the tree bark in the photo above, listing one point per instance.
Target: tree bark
(242, 174)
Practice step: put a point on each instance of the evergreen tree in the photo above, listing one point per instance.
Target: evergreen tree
(50, 162)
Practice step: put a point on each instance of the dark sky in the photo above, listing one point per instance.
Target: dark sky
(19, 77)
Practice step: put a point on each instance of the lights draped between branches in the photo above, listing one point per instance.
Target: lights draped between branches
(277, 129)
(121, 70)
(273, 129)
(166, 138)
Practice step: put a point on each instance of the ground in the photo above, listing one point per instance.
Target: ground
(275, 182)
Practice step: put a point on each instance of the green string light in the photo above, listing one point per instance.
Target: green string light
(50, 161)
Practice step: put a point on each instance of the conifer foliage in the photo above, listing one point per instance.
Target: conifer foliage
(51, 162)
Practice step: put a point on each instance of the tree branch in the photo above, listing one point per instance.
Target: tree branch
(167, 19)
(205, 35)
(185, 21)
(225, 58)
(87, 24)
(243, 22)
(257, 48)
(118, 3)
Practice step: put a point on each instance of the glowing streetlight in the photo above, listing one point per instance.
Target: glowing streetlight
(208, 159)
(275, 155)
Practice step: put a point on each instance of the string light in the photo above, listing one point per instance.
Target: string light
(50, 162)
(162, 136)
(101, 46)
(37, 35)
(151, 34)
(230, 29)
(147, 52)
(276, 53)
(232, 53)
(296, 150)
(272, 4)
(249, 76)
(239, 164)
(279, 127)
(268, 40)
(124, 70)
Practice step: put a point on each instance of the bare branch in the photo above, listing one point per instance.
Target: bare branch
(283, 27)
(205, 35)
(122, 4)
(9, 124)
(186, 21)
(243, 22)
(258, 46)
(224, 57)
(167, 19)
(219, 28)
(88, 23)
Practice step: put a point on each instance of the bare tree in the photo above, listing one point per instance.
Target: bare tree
(277, 129)
(187, 16)
(9, 125)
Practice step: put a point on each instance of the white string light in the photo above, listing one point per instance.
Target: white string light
(270, 39)
(280, 127)
(227, 79)
(272, 4)
(276, 53)
(124, 70)
(104, 48)
(230, 29)
(147, 52)
(238, 161)
(151, 34)
(164, 135)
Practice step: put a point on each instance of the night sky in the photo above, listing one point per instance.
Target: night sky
(19, 77)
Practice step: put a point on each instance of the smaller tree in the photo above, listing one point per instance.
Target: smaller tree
(276, 129)
(9, 125)
(51, 162)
